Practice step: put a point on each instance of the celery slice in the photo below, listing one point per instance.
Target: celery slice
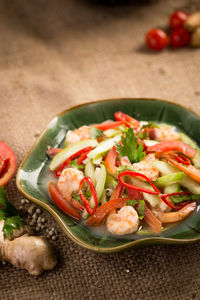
(169, 179)
(67, 152)
(103, 147)
(172, 188)
(89, 171)
(100, 176)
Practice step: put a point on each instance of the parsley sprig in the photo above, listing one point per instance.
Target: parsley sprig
(130, 147)
(9, 213)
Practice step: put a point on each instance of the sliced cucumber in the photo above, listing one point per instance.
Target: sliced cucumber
(103, 147)
(152, 199)
(69, 151)
(112, 132)
(89, 171)
(97, 160)
(111, 182)
(189, 183)
(169, 179)
(103, 197)
(172, 188)
(100, 177)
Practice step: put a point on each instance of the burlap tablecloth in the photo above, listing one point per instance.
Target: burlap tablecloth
(54, 54)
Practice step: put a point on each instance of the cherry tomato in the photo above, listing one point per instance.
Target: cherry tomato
(8, 163)
(179, 37)
(177, 19)
(156, 39)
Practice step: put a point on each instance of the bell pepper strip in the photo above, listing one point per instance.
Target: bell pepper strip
(128, 120)
(109, 125)
(66, 206)
(8, 163)
(137, 188)
(104, 209)
(110, 161)
(190, 170)
(73, 156)
(93, 194)
(173, 146)
(51, 152)
(83, 156)
(165, 197)
(152, 220)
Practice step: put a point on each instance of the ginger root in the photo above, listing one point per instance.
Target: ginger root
(33, 253)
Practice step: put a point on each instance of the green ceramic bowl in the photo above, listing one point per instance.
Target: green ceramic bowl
(31, 173)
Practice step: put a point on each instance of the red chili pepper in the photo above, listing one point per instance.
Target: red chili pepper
(83, 156)
(182, 159)
(165, 196)
(137, 188)
(128, 120)
(93, 193)
(67, 161)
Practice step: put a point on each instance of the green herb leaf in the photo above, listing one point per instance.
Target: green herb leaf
(130, 147)
(131, 202)
(143, 135)
(12, 223)
(95, 133)
(74, 164)
(9, 213)
(141, 209)
(77, 197)
(149, 125)
(182, 198)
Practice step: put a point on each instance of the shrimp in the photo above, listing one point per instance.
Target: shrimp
(124, 221)
(179, 215)
(145, 167)
(163, 134)
(80, 134)
(69, 181)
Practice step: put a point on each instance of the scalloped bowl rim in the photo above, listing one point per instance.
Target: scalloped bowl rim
(58, 219)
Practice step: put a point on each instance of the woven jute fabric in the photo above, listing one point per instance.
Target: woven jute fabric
(55, 54)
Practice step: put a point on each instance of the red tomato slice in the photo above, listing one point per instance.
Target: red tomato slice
(109, 125)
(104, 209)
(173, 146)
(120, 116)
(62, 203)
(110, 161)
(8, 163)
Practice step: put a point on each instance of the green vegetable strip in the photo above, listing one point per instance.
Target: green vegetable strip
(169, 179)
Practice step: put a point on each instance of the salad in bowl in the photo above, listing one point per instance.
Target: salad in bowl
(126, 176)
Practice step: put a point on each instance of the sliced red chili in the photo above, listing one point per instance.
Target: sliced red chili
(137, 188)
(93, 194)
(67, 161)
(83, 156)
(165, 196)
